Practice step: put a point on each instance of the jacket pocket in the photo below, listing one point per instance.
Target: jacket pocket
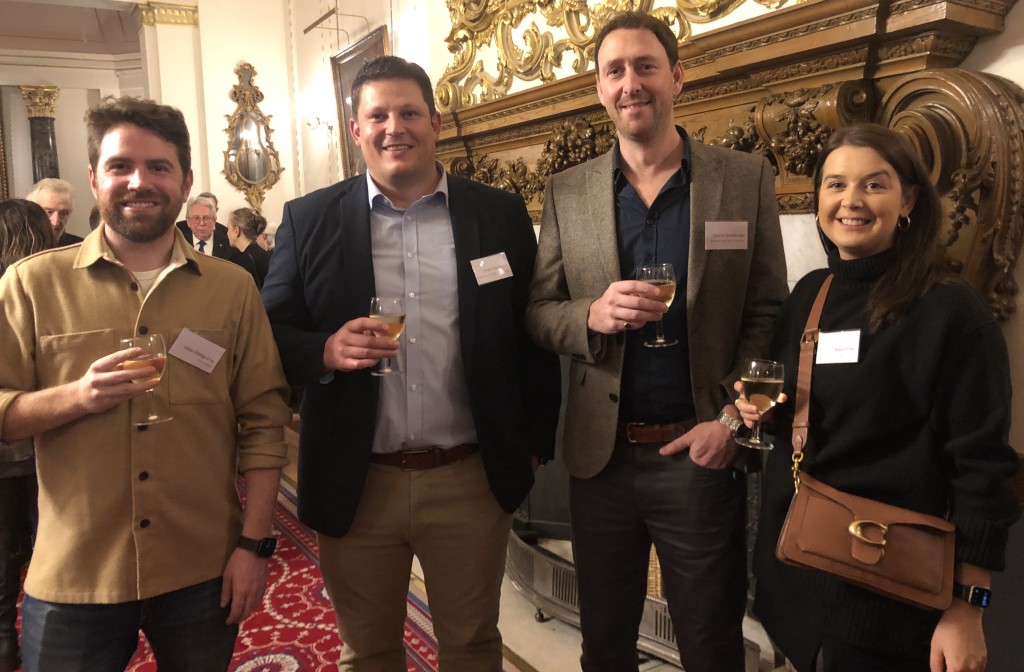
(187, 384)
(63, 358)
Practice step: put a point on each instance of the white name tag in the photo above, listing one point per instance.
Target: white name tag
(193, 349)
(492, 268)
(838, 347)
(725, 235)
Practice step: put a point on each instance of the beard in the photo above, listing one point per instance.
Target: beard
(137, 229)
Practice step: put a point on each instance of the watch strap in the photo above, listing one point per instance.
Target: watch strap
(263, 548)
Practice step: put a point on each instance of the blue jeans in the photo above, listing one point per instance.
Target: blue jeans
(186, 630)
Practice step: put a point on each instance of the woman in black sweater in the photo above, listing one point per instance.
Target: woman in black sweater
(918, 416)
(245, 226)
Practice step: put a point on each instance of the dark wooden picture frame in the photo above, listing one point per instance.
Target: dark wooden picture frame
(345, 65)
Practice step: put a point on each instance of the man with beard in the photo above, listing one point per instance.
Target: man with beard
(140, 526)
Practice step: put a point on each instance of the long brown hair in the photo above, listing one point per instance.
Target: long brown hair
(24, 229)
(917, 264)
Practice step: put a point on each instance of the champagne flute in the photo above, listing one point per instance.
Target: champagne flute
(663, 277)
(762, 386)
(392, 313)
(153, 355)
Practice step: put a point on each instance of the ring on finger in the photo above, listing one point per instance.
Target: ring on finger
(626, 326)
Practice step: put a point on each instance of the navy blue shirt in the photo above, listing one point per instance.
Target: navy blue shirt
(656, 381)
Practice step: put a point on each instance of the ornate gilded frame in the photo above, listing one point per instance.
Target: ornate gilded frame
(251, 164)
(344, 66)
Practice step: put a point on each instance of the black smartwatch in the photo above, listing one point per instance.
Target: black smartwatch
(974, 595)
(263, 548)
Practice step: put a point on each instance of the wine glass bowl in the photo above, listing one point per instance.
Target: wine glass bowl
(390, 311)
(762, 382)
(154, 356)
(663, 278)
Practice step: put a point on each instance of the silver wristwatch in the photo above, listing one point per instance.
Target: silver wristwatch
(732, 423)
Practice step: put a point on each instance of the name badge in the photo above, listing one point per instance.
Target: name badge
(725, 235)
(491, 269)
(193, 349)
(838, 347)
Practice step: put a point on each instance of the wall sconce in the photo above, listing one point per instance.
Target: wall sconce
(316, 123)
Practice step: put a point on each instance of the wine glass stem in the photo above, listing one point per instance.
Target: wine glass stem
(755, 432)
(660, 331)
(385, 365)
(149, 405)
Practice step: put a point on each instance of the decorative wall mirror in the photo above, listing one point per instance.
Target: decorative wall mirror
(251, 164)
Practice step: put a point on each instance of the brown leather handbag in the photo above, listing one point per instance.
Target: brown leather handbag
(896, 552)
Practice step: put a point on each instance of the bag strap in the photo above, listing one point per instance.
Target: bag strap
(801, 415)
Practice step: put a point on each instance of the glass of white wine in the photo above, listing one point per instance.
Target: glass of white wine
(392, 313)
(762, 386)
(153, 355)
(663, 277)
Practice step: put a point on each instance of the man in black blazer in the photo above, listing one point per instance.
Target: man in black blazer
(201, 228)
(430, 461)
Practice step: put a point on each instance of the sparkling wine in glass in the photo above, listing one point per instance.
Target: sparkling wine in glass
(762, 386)
(663, 277)
(153, 355)
(392, 313)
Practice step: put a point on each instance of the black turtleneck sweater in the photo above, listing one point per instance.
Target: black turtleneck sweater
(921, 420)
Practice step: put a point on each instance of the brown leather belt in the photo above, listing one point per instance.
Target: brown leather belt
(418, 459)
(650, 432)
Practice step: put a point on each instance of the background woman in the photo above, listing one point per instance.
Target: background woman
(918, 417)
(244, 228)
(24, 229)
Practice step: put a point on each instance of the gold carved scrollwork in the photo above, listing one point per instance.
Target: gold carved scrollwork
(571, 143)
(251, 164)
(949, 116)
(40, 100)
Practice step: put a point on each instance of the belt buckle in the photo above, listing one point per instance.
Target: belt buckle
(630, 426)
(417, 451)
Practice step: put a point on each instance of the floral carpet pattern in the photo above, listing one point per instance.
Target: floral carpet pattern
(294, 631)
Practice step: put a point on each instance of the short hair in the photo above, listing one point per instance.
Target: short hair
(249, 221)
(392, 67)
(51, 184)
(212, 197)
(917, 264)
(24, 229)
(165, 121)
(640, 21)
(200, 200)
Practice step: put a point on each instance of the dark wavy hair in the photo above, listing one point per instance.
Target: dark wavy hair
(249, 221)
(918, 263)
(392, 67)
(164, 120)
(640, 21)
(24, 229)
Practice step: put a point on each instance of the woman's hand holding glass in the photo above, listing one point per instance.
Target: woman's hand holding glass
(765, 377)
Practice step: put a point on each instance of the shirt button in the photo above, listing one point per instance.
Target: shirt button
(412, 295)
(144, 523)
(144, 475)
(409, 254)
(614, 397)
(143, 428)
(134, 287)
(412, 339)
(412, 387)
(143, 330)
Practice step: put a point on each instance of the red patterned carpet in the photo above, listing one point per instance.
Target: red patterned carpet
(295, 631)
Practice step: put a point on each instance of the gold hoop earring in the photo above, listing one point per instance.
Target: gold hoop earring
(903, 223)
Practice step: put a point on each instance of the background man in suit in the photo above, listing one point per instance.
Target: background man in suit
(432, 461)
(202, 230)
(55, 197)
(648, 459)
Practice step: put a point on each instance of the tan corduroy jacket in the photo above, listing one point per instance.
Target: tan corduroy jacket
(126, 514)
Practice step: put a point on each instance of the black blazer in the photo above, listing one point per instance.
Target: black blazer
(221, 246)
(254, 259)
(321, 276)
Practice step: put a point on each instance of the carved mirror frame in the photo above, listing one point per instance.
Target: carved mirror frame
(251, 164)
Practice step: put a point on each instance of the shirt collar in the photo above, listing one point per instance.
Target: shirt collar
(373, 191)
(619, 180)
(94, 248)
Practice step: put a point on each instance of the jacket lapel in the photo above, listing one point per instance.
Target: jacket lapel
(708, 173)
(601, 229)
(466, 217)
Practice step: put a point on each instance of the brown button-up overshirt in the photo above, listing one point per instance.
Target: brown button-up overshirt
(124, 513)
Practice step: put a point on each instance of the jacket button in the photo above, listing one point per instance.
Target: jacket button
(144, 523)
(144, 475)
(143, 428)
(134, 287)
(614, 397)
(143, 330)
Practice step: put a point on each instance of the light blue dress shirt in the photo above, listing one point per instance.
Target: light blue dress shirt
(414, 257)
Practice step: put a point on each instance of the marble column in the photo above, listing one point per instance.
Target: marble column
(41, 101)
